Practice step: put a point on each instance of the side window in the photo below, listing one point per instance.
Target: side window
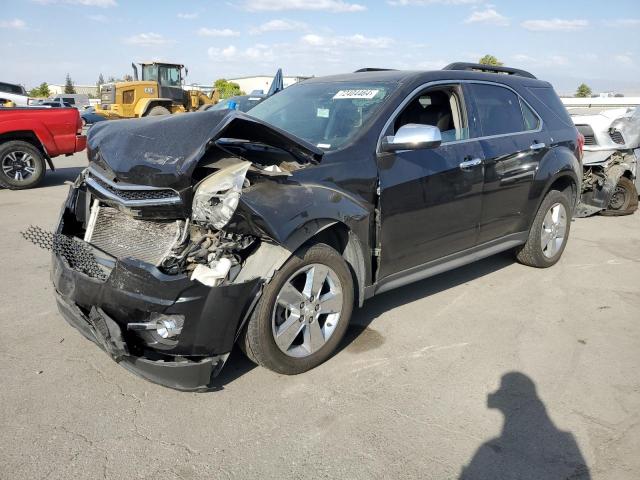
(531, 120)
(440, 107)
(69, 100)
(498, 109)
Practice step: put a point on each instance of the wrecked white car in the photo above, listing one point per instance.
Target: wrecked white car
(611, 156)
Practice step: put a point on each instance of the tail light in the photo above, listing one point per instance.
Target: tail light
(580, 145)
(79, 126)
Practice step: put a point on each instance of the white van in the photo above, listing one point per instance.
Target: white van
(78, 100)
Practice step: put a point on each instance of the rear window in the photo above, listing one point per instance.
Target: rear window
(551, 100)
(499, 110)
(10, 88)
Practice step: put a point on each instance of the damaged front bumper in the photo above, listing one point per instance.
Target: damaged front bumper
(97, 326)
(133, 293)
(130, 292)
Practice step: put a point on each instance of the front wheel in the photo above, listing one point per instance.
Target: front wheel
(624, 200)
(158, 110)
(549, 232)
(22, 165)
(303, 314)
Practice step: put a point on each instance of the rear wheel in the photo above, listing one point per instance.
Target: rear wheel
(549, 232)
(21, 165)
(303, 313)
(158, 110)
(624, 200)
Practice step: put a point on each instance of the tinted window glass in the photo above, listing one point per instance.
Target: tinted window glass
(69, 100)
(549, 97)
(498, 110)
(10, 88)
(531, 120)
(327, 115)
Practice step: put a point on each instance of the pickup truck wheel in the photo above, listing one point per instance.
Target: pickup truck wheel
(21, 165)
(303, 314)
(549, 232)
(624, 200)
(158, 110)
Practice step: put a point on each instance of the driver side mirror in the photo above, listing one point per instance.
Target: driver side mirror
(412, 136)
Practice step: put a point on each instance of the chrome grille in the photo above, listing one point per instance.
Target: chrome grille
(131, 195)
(122, 236)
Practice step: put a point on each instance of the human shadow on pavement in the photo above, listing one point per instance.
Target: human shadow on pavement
(376, 306)
(530, 447)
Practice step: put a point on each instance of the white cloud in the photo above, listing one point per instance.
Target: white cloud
(278, 25)
(357, 41)
(214, 32)
(623, 22)
(490, 16)
(336, 6)
(98, 18)
(84, 3)
(555, 24)
(528, 61)
(147, 40)
(423, 3)
(188, 16)
(624, 59)
(258, 53)
(16, 23)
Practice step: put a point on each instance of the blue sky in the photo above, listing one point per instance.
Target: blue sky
(565, 42)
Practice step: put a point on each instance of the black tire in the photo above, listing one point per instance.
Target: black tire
(532, 253)
(258, 341)
(624, 200)
(14, 154)
(158, 110)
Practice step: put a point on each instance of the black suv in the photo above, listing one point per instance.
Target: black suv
(189, 233)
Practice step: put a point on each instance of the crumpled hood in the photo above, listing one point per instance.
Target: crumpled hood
(163, 151)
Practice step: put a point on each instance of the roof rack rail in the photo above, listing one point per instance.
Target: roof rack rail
(478, 67)
(374, 69)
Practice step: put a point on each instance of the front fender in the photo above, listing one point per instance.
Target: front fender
(291, 213)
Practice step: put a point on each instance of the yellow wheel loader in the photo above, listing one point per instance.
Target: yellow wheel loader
(159, 92)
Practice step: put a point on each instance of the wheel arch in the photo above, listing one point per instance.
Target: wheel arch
(31, 138)
(146, 104)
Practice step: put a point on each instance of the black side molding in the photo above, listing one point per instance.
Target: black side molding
(488, 69)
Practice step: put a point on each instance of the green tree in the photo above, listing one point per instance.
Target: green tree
(41, 91)
(68, 85)
(583, 91)
(226, 88)
(490, 60)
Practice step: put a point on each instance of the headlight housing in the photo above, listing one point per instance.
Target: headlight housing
(217, 196)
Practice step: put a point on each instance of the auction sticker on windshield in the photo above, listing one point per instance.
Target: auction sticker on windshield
(351, 94)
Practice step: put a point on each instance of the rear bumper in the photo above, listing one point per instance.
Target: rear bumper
(81, 143)
(102, 330)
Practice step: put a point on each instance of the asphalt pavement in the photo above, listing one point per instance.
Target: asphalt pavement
(495, 369)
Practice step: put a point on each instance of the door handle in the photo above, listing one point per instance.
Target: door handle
(467, 164)
(537, 146)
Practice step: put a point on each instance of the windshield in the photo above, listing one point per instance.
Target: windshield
(241, 103)
(327, 115)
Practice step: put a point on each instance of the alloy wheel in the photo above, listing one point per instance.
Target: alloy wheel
(554, 228)
(307, 310)
(18, 165)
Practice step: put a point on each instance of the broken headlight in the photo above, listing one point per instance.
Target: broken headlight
(216, 197)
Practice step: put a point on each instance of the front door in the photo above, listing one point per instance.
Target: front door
(430, 199)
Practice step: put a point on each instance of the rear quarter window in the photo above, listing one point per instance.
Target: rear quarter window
(549, 98)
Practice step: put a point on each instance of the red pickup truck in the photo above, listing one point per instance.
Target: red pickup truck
(31, 137)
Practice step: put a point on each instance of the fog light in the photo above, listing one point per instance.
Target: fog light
(168, 327)
(165, 326)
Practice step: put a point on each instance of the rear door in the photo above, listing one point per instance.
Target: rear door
(513, 142)
(430, 199)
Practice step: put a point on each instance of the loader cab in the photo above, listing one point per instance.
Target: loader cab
(169, 78)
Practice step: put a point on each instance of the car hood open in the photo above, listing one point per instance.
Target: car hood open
(163, 151)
